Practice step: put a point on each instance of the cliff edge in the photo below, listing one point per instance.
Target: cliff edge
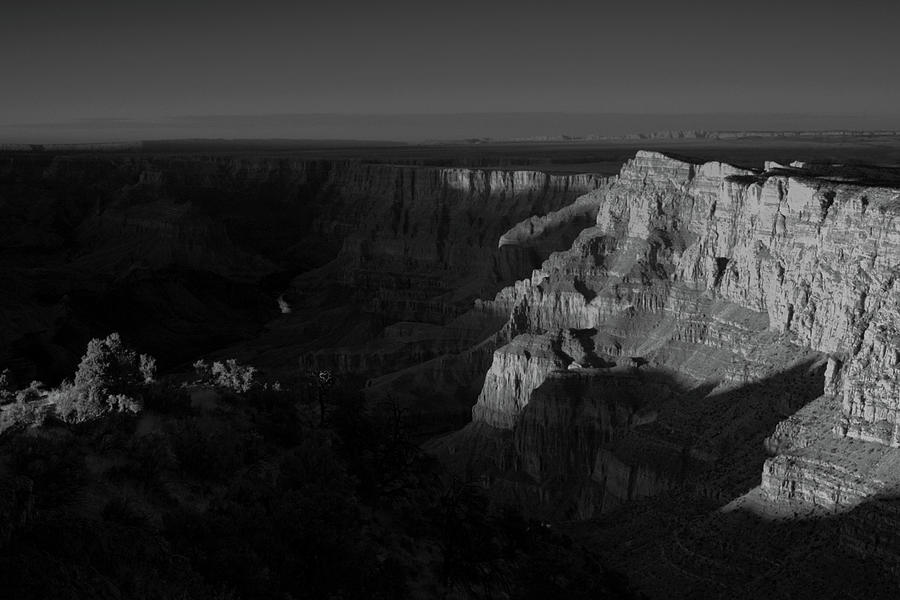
(764, 303)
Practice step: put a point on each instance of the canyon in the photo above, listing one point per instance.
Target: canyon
(186, 253)
(690, 365)
(720, 336)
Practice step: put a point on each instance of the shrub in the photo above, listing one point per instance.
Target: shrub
(89, 405)
(203, 370)
(28, 413)
(66, 400)
(7, 393)
(107, 378)
(148, 368)
(109, 365)
(124, 404)
(231, 375)
(32, 393)
(29, 406)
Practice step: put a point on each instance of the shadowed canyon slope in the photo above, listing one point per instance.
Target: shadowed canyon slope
(185, 254)
(692, 366)
(719, 336)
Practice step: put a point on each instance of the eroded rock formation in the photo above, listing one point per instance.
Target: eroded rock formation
(750, 294)
(718, 343)
(186, 253)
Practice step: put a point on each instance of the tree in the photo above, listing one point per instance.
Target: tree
(109, 364)
(95, 366)
(321, 382)
(107, 377)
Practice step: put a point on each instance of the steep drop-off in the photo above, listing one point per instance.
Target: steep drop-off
(184, 254)
(718, 334)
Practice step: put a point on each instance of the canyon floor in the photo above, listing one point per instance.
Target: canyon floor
(682, 354)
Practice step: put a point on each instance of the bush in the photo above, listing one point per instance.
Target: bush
(148, 368)
(28, 407)
(107, 379)
(66, 399)
(28, 413)
(109, 365)
(89, 405)
(203, 370)
(124, 404)
(7, 394)
(30, 394)
(231, 375)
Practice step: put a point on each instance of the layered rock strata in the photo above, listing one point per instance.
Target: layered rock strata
(204, 249)
(752, 291)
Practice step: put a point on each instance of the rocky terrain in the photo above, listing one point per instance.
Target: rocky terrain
(692, 367)
(187, 253)
(719, 337)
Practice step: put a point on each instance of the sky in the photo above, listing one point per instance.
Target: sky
(151, 66)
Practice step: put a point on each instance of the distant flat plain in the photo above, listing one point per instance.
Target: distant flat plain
(603, 157)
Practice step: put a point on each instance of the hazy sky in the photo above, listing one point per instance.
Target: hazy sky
(62, 60)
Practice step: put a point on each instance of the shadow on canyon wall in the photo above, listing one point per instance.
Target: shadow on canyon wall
(589, 444)
(678, 546)
(186, 254)
(214, 493)
(643, 467)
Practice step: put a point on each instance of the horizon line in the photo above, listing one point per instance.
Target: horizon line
(152, 118)
(634, 137)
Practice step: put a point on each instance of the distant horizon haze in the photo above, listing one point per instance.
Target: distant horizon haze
(424, 127)
(69, 66)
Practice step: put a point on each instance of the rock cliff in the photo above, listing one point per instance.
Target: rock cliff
(719, 342)
(684, 353)
(204, 249)
(754, 291)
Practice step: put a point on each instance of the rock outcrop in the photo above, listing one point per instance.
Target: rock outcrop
(770, 288)
(717, 350)
(204, 250)
(694, 356)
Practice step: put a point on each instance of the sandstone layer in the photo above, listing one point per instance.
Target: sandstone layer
(186, 253)
(763, 302)
(722, 334)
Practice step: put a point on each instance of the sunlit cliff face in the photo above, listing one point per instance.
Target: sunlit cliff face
(783, 251)
(764, 302)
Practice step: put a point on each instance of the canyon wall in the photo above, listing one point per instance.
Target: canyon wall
(188, 253)
(678, 349)
(750, 295)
